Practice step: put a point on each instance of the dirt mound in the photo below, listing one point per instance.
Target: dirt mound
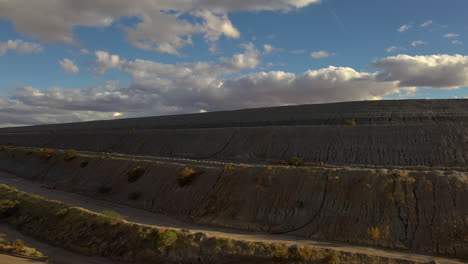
(440, 145)
(421, 210)
(401, 133)
(386, 112)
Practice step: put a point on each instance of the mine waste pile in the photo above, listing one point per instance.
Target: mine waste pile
(387, 174)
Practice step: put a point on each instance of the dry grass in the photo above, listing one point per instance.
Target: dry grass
(186, 176)
(374, 233)
(351, 122)
(135, 174)
(47, 154)
(70, 155)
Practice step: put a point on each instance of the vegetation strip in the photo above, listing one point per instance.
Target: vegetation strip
(90, 233)
(17, 247)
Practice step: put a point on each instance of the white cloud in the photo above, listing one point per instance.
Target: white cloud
(157, 88)
(267, 48)
(69, 66)
(418, 43)
(438, 71)
(426, 23)
(451, 35)
(247, 60)
(456, 42)
(20, 47)
(404, 28)
(393, 49)
(161, 27)
(298, 51)
(85, 51)
(321, 54)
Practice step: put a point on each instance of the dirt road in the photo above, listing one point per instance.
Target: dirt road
(56, 255)
(147, 218)
(6, 259)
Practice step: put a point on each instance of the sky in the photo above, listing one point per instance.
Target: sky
(71, 61)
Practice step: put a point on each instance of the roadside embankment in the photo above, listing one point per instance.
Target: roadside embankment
(90, 233)
(405, 209)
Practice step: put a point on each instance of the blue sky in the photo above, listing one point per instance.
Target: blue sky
(77, 61)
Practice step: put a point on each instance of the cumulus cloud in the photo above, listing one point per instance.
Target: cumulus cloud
(438, 71)
(69, 66)
(227, 83)
(19, 46)
(426, 23)
(451, 35)
(267, 48)
(418, 43)
(404, 28)
(160, 27)
(321, 54)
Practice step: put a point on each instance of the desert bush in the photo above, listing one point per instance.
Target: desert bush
(186, 176)
(228, 166)
(374, 233)
(300, 253)
(4, 239)
(70, 154)
(47, 154)
(134, 195)
(84, 164)
(351, 122)
(135, 174)
(6, 205)
(332, 258)
(165, 239)
(279, 250)
(62, 212)
(18, 245)
(296, 161)
(112, 214)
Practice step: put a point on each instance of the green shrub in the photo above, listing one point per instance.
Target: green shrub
(135, 174)
(112, 214)
(165, 240)
(351, 122)
(186, 176)
(70, 154)
(6, 205)
(296, 161)
(18, 245)
(62, 212)
(4, 239)
(332, 258)
(279, 250)
(47, 154)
